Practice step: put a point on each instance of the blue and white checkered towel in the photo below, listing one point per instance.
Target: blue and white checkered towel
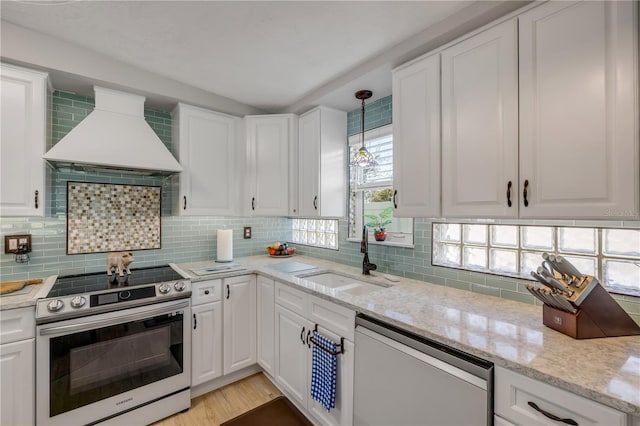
(324, 372)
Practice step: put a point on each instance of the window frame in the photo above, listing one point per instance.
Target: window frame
(393, 239)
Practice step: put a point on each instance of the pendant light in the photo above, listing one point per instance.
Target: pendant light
(363, 158)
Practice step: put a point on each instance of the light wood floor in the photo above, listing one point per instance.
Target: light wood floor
(225, 403)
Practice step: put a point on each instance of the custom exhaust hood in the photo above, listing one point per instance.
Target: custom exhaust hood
(114, 137)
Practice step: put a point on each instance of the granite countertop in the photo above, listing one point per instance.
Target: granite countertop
(507, 333)
(28, 295)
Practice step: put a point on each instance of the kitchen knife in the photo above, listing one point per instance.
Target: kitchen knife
(566, 305)
(533, 291)
(553, 282)
(546, 297)
(568, 267)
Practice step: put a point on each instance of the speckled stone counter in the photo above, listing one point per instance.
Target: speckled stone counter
(23, 300)
(508, 333)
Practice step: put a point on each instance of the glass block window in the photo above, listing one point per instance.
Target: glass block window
(611, 255)
(316, 232)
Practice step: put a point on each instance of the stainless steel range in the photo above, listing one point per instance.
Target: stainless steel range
(114, 349)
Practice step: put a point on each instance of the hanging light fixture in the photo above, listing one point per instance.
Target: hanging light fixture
(363, 158)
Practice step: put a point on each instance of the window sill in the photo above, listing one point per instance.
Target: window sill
(373, 242)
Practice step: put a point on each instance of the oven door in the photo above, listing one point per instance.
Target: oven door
(91, 368)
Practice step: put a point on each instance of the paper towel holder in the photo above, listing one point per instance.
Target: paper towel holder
(224, 245)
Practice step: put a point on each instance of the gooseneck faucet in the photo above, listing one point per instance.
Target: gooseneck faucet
(364, 248)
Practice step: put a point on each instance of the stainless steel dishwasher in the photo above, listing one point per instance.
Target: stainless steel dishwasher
(405, 379)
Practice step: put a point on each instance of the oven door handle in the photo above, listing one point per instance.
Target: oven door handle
(74, 328)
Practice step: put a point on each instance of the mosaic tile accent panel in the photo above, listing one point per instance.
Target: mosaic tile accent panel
(103, 217)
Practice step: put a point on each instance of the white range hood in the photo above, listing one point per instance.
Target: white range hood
(114, 137)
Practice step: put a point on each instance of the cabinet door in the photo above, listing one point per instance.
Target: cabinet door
(17, 387)
(206, 143)
(266, 324)
(292, 373)
(206, 341)
(22, 141)
(416, 139)
(342, 414)
(480, 125)
(322, 149)
(268, 142)
(579, 110)
(239, 322)
(309, 164)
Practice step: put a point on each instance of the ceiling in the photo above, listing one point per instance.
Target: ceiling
(266, 54)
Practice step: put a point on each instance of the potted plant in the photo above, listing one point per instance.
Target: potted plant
(378, 222)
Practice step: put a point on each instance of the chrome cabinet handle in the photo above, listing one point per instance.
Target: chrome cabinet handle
(315, 202)
(395, 199)
(35, 198)
(228, 291)
(195, 321)
(524, 192)
(509, 194)
(551, 416)
(185, 203)
(253, 203)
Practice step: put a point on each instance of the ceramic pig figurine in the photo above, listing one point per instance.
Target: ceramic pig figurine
(119, 260)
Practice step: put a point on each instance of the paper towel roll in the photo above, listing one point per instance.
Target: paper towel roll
(225, 245)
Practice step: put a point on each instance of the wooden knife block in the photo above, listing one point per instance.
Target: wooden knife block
(599, 315)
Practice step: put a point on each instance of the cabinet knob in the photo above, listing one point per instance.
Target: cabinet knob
(509, 194)
(524, 192)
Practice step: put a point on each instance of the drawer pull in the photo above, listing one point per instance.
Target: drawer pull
(228, 291)
(206, 292)
(551, 416)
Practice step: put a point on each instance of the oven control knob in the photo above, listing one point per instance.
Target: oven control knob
(78, 302)
(180, 286)
(55, 305)
(164, 288)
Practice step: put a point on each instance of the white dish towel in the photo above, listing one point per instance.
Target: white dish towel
(324, 372)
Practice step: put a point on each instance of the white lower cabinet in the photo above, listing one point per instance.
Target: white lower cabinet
(525, 401)
(206, 334)
(294, 353)
(17, 367)
(266, 324)
(239, 306)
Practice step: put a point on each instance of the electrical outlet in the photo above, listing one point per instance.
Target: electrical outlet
(17, 243)
(247, 232)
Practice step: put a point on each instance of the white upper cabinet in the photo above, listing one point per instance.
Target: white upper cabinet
(322, 150)
(480, 124)
(416, 138)
(23, 141)
(205, 143)
(269, 139)
(579, 111)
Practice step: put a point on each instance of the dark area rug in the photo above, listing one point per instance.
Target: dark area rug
(277, 412)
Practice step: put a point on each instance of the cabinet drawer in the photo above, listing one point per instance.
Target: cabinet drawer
(331, 316)
(206, 291)
(292, 299)
(513, 392)
(17, 324)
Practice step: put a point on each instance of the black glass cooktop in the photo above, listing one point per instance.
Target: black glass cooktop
(85, 283)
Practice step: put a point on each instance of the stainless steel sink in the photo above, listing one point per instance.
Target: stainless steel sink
(343, 283)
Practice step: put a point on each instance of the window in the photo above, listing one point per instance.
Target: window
(371, 191)
(315, 232)
(611, 255)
